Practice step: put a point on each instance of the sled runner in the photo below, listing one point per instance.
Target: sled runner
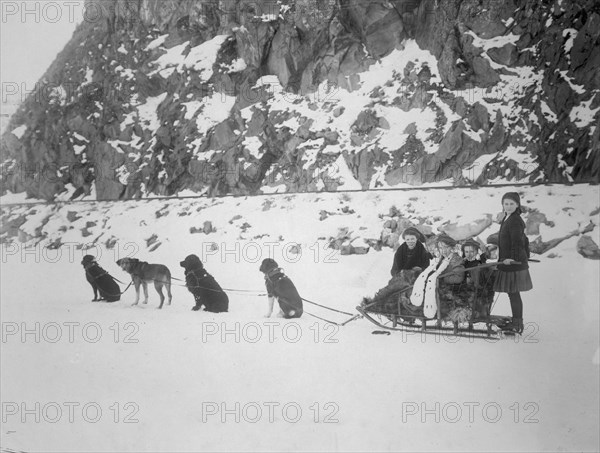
(462, 310)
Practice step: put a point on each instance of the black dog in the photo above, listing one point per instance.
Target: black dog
(100, 280)
(203, 286)
(281, 287)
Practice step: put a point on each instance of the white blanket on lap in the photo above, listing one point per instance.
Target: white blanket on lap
(425, 287)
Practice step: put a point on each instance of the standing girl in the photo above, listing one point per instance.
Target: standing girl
(513, 252)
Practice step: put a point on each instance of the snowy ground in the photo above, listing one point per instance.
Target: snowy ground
(174, 380)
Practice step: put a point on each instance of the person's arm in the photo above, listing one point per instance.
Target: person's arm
(516, 231)
(395, 265)
(456, 271)
(397, 258)
(425, 258)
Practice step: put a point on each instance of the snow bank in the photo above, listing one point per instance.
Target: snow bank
(173, 374)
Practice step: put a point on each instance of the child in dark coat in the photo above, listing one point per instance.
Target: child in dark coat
(203, 286)
(513, 253)
(102, 282)
(281, 287)
(412, 253)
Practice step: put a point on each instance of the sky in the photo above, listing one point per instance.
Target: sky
(32, 33)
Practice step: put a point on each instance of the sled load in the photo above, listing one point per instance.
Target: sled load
(457, 309)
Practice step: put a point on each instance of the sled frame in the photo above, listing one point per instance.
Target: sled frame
(408, 323)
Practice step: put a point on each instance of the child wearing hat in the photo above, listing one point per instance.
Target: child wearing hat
(455, 272)
(412, 253)
(513, 252)
(280, 287)
(470, 249)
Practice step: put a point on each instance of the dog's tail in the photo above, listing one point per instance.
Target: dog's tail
(168, 284)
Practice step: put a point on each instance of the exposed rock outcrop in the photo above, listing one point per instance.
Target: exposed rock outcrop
(160, 96)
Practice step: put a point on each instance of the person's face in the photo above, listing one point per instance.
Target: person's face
(509, 205)
(411, 241)
(444, 249)
(470, 252)
(493, 253)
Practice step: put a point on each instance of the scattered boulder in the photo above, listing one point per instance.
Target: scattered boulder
(296, 249)
(360, 247)
(343, 235)
(338, 111)
(390, 239)
(391, 224)
(152, 240)
(85, 232)
(347, 245)
(111, 242)
(345, 248)
(155, 246)
(540, 247)
(72, 216)
(54, 245)
(534, 220)
(11, 227)
(588, 248)
(208, 227)
(460, 232)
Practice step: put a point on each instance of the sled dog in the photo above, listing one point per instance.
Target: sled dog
(142, 272)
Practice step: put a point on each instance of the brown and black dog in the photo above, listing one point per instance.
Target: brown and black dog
(142, 272)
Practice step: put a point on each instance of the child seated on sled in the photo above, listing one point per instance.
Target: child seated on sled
(445, 271)
(411, 255)
(470, 249)
(455, 271)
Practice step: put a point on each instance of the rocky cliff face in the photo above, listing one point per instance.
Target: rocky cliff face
(166, 97)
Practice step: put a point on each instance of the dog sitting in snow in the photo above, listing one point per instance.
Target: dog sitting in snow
(207, 292)
(142, 272)
(281, 287)
(100, 280)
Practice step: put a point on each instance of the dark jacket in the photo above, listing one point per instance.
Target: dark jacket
(420, 258)
(512, 243)
(279, 285)
(102, 282)
(206, 290)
